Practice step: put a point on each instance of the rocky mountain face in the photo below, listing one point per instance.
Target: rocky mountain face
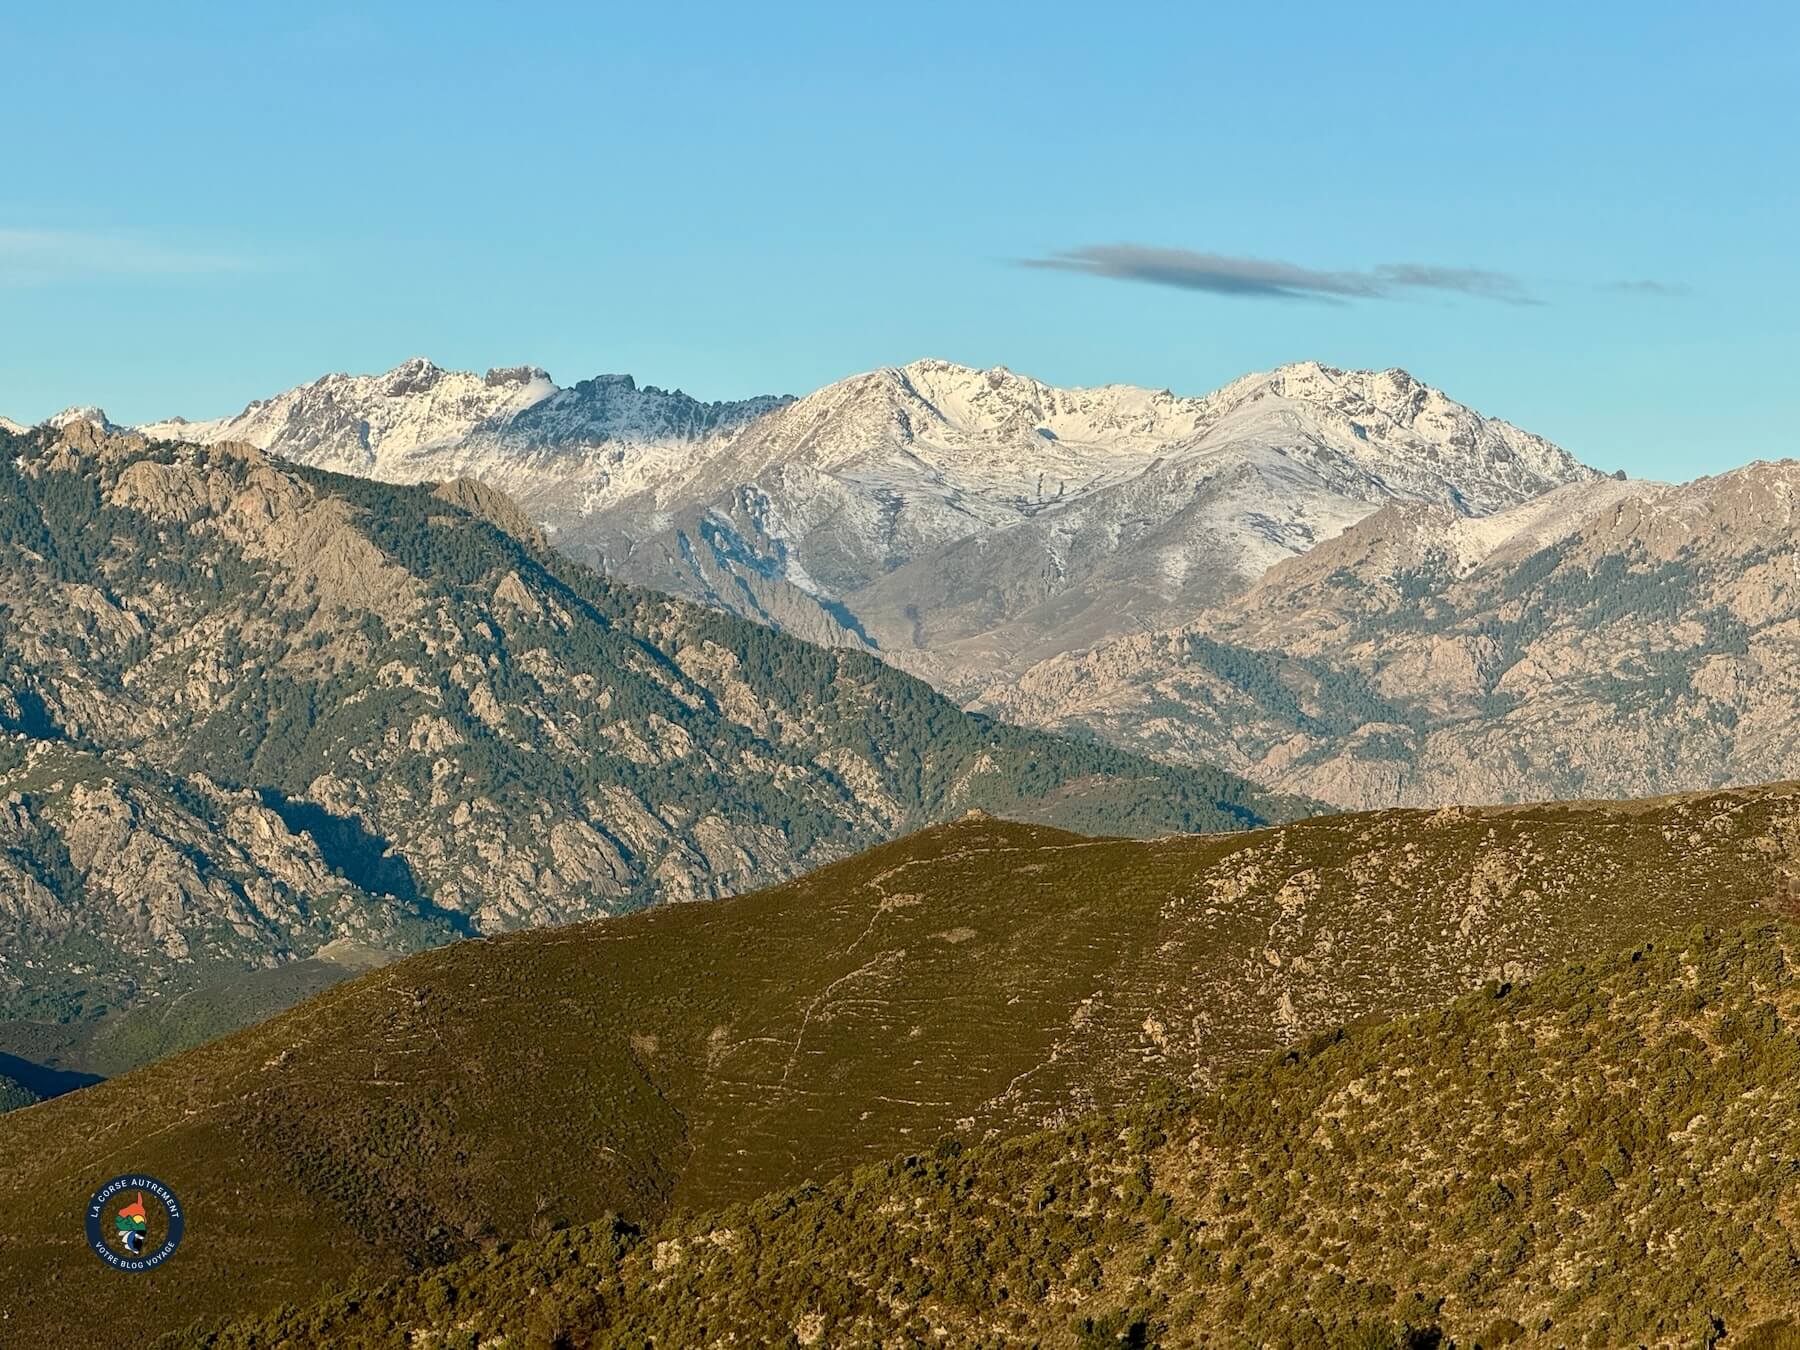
(251, 709)
(962, 523)
(946, 991)
(1608, 639)
(118, 881)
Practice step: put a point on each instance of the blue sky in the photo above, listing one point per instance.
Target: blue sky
(204, 204)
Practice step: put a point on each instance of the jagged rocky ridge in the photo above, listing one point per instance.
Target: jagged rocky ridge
(961, 522)
(252, 708)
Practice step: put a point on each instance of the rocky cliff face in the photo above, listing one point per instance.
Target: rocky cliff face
(1609, 639)
(314, 708)
(117, 880)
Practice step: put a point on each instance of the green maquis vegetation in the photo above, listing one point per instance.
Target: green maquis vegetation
(982, 979)
(1605, 1156)
(14, 1095)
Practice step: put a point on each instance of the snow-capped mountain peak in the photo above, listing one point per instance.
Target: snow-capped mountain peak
(420, 420)
(84, 412)
(986, 436)
(995, 435)
(958, 519)
(1412, 439)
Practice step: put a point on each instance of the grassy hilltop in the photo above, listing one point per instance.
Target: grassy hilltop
(980, 980)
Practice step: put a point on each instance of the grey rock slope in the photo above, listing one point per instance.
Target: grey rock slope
(1611, 639)
(118, 881)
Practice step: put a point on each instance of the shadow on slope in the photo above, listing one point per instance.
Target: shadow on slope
(43, 1080)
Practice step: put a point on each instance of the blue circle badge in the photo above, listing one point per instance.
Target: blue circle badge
(134, 1223)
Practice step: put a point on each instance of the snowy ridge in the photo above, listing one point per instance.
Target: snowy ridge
(85, 412)
(963, 522)
(1428, 538)
(416, 421)
(1546, 520)
(935, 426)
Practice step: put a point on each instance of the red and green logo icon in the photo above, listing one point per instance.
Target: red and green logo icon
(131, 1225)
(134, 1223)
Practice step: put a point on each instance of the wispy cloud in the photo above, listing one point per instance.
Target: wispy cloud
(41, 257)
(1269, 279)
(1660, 289)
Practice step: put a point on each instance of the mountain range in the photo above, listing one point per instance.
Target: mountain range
(1340, 584)
(251, 712)
(962, 523)
(974, 982)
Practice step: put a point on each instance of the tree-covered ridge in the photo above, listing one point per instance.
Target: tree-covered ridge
(457, 721)
(1600, 1157)
(982, 978)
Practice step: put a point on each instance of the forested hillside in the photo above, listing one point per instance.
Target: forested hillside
(14, 1095)
(1601, 1157)
(250, 709)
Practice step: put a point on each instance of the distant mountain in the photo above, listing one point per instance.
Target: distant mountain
(1601, 1157)
(975, 980)
(418, 422)
(7, 424)
(1607, 639)
(249, 709)
(961, 522)
(85, 412)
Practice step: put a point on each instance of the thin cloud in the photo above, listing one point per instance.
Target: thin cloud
(1663, 289)
(42, 257)
(1269, 279)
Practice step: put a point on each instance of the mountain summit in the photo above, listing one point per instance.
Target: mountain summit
(964, 523)
(419, 421)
